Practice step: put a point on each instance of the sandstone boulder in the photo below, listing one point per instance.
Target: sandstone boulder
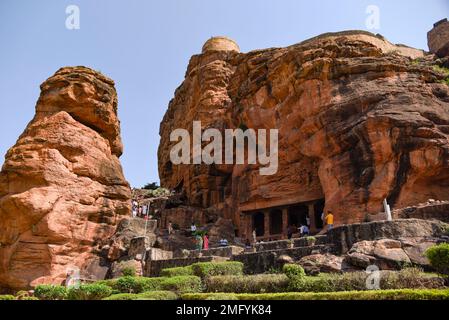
(62, 189)
(390, 254)
(322, 263)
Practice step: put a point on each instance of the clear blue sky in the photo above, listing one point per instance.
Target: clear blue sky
(145, 47)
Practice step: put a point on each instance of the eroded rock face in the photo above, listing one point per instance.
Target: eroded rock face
(359, 120)
(62, 190)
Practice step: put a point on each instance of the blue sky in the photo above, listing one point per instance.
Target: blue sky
(145, 47)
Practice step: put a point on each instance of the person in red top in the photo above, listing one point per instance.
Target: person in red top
(206, 242)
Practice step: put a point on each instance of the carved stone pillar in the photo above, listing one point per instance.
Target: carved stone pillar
(284, 222)
(312, 226)
(266, 224)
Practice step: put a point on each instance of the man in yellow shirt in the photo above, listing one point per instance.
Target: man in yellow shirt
(329, 220)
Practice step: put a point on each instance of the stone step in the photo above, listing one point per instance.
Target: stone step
(287, 244)
(226, 252)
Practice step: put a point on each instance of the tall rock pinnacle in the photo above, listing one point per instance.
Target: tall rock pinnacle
(62, 188)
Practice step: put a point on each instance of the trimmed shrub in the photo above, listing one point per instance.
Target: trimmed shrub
(28, 298)
(413, 278)
(178, 271)
(248, 284)
(207, 269)
(6, 297)
(182, 284)
(439, 258)
(50, 292)
(92, 291)
(143, 284)
(158, 295)
(137, 284)
(292, 270)
(402, 294)
(151, 295)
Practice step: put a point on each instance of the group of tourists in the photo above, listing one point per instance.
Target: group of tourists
(201, 240)
(140, 211)
(303, 229)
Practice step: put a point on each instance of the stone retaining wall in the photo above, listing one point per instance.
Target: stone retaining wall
(344, 237)
(260, 262)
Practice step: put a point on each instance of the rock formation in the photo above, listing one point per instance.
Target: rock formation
(359, 119)
(438, 38)
(62, 190)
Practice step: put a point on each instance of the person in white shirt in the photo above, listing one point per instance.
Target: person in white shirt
(304, 230)
(193, 228)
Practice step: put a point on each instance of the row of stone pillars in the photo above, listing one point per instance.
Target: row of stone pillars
(250, 223)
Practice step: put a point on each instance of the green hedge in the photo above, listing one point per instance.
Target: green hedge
(6, 297)
(151, 295)
(92, 291)
(178, 271)
(248, 284)
(407, 278)
(137, 285)
(182, 284)
(50, 292)
(207, 269)
(403, 294)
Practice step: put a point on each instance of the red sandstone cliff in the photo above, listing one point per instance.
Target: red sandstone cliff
(62, 189)
(359, 120)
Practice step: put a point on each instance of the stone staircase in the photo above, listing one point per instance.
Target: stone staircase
(263, 257)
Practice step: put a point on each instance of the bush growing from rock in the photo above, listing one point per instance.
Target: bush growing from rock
(50, 292)
(178, 271)
(439, 258)
(92, 291)
(129, 272)
(207, 269)
(247, 284)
